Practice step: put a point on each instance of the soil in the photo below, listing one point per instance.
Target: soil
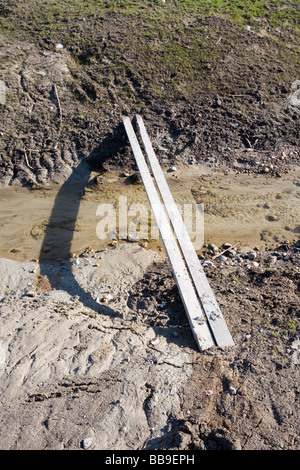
(94, 342)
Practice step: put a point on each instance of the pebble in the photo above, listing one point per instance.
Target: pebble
(208, 263)
(173, 391)
(105, 299)
(155, 341)
(252, 255)
(86, 443)
(232, 391)
(59, 46)
(226, 246)
(213, 247)
(209, 392)
(31, 293)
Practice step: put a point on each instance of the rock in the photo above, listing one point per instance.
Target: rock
(31, 293)
(212, 247)
(104, 300)
(3, 351)
(86, 443)
(155, 341)
(226, 246)
(272, 259)
(252, 255)
(295, 357)
(208, 263)
(232, 391)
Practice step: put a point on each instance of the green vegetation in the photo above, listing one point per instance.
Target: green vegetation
(51, 15)
(167, 44)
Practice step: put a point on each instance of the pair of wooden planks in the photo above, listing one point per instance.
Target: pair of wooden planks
(206, 320)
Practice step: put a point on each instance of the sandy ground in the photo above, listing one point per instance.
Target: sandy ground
(100, 349)
(91, 355)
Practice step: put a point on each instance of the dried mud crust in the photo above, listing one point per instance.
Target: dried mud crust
(128, 375)
(65, 105)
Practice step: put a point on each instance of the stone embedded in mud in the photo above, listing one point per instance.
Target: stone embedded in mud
(252, 255)
(208, 263)
(226, 246)
(31, 293)
(213, 247)
(86, 443)
(155, 341)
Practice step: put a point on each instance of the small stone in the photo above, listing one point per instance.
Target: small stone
(155, 341)
(226, 246)
(208, 263)
(232, 391)
(59, 46)
(255, 264)
(209, 392)
(106, 299)
(213, 247)
(31, 293)
(252, 255)
(86, 443)
(173, 391)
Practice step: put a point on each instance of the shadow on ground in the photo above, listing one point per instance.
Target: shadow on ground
(55, 255)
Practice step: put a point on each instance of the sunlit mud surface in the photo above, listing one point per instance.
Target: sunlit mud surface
(249, 210)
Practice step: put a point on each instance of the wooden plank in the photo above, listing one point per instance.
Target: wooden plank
(205, 293)
(197, 320)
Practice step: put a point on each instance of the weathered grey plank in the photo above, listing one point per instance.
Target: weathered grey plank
(205, 293)
(197, 320)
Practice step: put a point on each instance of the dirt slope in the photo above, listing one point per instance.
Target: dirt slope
(209, 82)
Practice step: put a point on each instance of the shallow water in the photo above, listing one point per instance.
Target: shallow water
(57, 222)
